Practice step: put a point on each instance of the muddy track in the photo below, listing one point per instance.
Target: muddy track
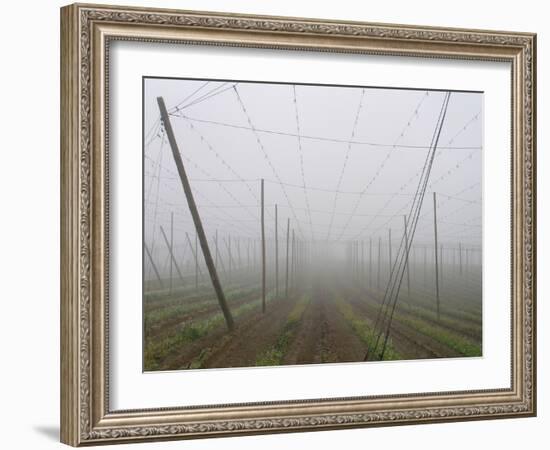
(304, 347)
(323, 335)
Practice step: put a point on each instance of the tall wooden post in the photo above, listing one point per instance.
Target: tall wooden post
(436, 259)
(195, 214)
(263, 247)
(276, 255)
(239, 260)
(407, 255)
(287, 242)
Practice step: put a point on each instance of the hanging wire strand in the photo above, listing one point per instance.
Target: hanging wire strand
(413, 117)
(301, 155)
(345, 163)
(181, 115)
(414, 177)
(391, 295)
(266, 155)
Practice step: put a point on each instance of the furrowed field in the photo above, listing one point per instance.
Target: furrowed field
(324, 317)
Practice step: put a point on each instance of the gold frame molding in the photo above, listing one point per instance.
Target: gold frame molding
(86, 31)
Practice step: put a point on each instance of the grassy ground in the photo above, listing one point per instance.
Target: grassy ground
(323, 320)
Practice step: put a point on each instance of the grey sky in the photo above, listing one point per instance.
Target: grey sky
(225, 131)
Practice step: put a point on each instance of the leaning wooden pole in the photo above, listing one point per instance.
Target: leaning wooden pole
(228, 248)
(219, 257)
(172, 256)
(157, 273)
(263, 246)
(195, 215)
(436, 259)
(195, 257)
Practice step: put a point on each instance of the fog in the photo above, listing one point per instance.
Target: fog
(342, 164)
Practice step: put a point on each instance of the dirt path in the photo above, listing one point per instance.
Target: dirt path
(323, 334)
(330, 324)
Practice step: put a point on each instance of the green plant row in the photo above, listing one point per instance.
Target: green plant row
(157, 350)
(161, 299)
(184, 307)
(274, 355)
(458, 343)
(364, 331)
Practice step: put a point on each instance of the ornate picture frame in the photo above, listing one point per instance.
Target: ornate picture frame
(86, 34)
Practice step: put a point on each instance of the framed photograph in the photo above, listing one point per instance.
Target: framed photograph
(274, 224)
